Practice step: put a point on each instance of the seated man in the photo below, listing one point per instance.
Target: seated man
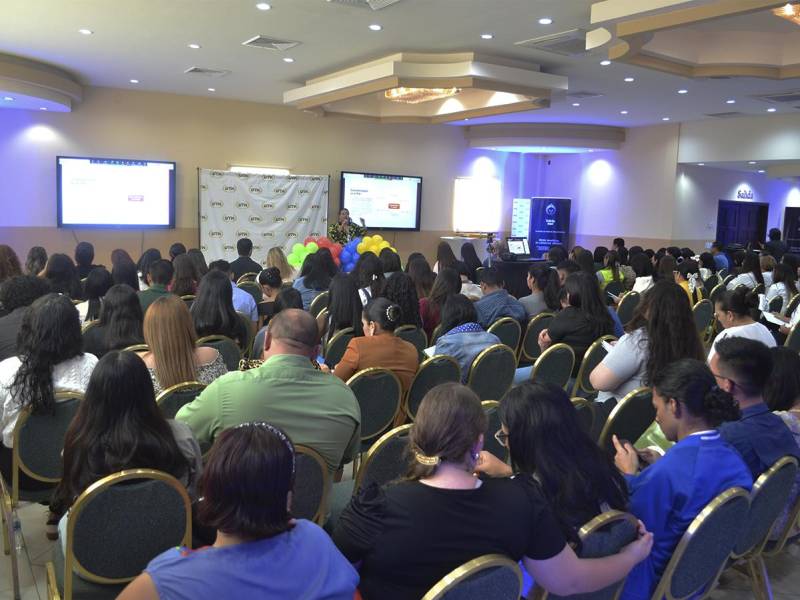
(244, 264)
(242, 301)
(742, 367)
(314, 408)
(496, 302)
(157, 278)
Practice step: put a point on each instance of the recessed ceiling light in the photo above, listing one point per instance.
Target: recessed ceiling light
(629, 79)
(375, 27)
(576, 104)
(605, 63)
(134, 81)
(8, 98)
(288, 59)
(85, 31)
(194, 46)
(545, 21)
(771, 109)
(665, 118)
(683, 91)
(263, 6)
(212, 89)
(751, 162)
(730, 101)
(486, 36)
(701, 164)
(623, 112)
(761, 171)
(42, 108)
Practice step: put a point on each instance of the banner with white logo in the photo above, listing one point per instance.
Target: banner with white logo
(270, 210)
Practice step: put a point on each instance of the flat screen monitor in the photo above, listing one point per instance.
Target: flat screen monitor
(518, 246)
(382, 201)
(115, 192)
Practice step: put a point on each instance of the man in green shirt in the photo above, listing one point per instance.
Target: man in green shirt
(158, 278)
(315, 409)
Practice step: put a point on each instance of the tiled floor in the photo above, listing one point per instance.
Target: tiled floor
(784, 570)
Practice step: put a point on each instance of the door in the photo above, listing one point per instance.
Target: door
(741, 222)
(791, 228)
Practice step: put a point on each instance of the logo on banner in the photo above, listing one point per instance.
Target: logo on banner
(204, 217)
(243, 204)
(257, 247)
(215, 234)
(243, 175)
(550, 211)
(216, 204)
(303, 192)
(203, 247)
(280, 219)
(255, 219)
(316, 178)
(228, 247)
(268, 177)
(217, 174)
(291, 234)
(315, 207)
(229, 218)
(267, 205)
(292, 207)
(255, 189)
(229, 188)
(279, 190)
(267, 234)
(204, 187)
(242, 233)
(292, 177)
(315, 234)
(303, 220)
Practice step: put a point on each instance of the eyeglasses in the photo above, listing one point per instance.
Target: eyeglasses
(501, 437)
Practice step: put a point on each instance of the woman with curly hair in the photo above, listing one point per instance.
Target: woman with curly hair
(9, 263)
(36, 261)
(400, 289)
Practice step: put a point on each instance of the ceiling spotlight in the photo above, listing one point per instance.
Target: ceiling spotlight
(771, 109)
(683, 91)
(730, 101)
(751, 162)
(629, 79)
(761, 171)
(194, 46)
(212, 89)
(134, 81)
(288, 59)
(42, 108)
(8, 98)
(263, 6)
(486, 36)
(605, 63)
(375, 27)
(545, 21)
(85, 31)
(576, 104)
(623, 112)
(665, 118)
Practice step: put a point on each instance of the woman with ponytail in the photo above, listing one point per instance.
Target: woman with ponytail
(688, 277)
(733, 310)
(673, 490)
(409, 534)
(380, 347)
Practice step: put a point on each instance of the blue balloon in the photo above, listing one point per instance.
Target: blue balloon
(345, 256)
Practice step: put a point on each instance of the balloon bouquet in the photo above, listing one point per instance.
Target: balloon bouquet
(345, 257)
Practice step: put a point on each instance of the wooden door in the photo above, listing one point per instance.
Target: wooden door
(741, 222)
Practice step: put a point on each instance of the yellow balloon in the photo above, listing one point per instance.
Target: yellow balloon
(393, 249)
(377, 238)
(374, 248)
(367, 239)
(362, 247)
(384, 244)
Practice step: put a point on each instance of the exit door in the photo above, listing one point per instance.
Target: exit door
(741, 222)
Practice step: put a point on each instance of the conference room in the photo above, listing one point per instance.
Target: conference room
(370, 217)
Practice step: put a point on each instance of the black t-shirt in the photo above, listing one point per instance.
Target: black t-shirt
(409, 535)
(242, 265)
(9, 328)
(572, 327)
(777, 248)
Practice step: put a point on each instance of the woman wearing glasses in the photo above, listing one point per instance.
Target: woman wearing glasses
(408, 535)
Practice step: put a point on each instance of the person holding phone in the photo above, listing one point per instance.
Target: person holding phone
(345, 230)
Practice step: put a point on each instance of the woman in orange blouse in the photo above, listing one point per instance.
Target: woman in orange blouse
(380, 347)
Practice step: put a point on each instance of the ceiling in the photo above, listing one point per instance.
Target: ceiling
(148, 40)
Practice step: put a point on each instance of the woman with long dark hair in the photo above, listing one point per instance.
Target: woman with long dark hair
(119, 426)
(667, 265)
(545, 441)
(708, 265)
(326, 260)
(734, 311)
(50, 359)
(784, 285)
(414, 256)
(470, 258)
(421, 274)
(661, 331)
(36, 260)
(583, 258)
(213, 312)
(749, 274)
(643, 271)
(60, 271)
(344, 309)
(120, 256)
(9, 263)
(400, 290)
(390, 261)
(199, 261)
(125, 272)
(314, 279)
(98, 282)
(610, 271)
(445, 257)
(148, 257)
(185, 276)
(369, 277)
(544, 287)
(271, 282)
(447, 283)
(120, 323)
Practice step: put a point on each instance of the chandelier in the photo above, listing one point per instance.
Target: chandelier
(410, 95)
(790, 12)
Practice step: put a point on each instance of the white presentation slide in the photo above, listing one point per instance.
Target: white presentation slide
(100, 191)
(383, 201)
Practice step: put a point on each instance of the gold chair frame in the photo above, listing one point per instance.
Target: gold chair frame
(503, 321)
(373, 450)
(412, 328)
(522, 354)
(7, 513)
(468, 569)
(88, 325)
(336, 336)
(628, 294)
(137, 348)
(363, 373)
(597, 344)
(437, 358)
(179, 387)
(482, 356)
(322, 509)
(552, 350)
(187, 297)
(248, 277)
(792, 305)
(436, 334)
(218, 338)
(581, 403)
(794, 331)
(321, 298)
(601, 440)
(251, 334)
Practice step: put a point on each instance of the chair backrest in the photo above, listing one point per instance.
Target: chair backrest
(436, 334)
(433, 371)
(776, 304)
(508, 330)
(489, 576)
(137, 348)
(593, 356)
(792, 306)
(710, 283)
(120, 523)
(334, 349)
(174, 397)
(414, 336)
(490, 443)
(311, 485)
(318, 303)
(629, 419)
(779, 535)
(627, 305)
(793, 339)
(386, 460)
(250, 329)
(530, 350)
(585, 410)
(703, 312)
(247, 277)
(759, 289)
(39, 442)
(614, 287)
(378, 392)
(768, 500)
(555, 365)
(252, 288)
(226, 347)
(703, 551)
(728, 278)
(188, 299)
(492, 372)
(604, 535)
(717, 292)
(723, 273)
(88, 325)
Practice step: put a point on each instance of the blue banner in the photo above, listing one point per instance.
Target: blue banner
(549, 224)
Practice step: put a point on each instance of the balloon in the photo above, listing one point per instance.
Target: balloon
(377, 238)
(337, 261)
(294, 260)
(384, 244)
(344, 256)
(373, 247)
(308, 239)
(393, 249)
(312, 247)
(362, 247)
(297, 247)
(335, 249)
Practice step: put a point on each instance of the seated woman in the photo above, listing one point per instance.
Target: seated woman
(314, 279)
(184, 277)
(276, 258)
(469, 258)
(120, 323)
(420, 272)
(97, 284)
(260, 550)
(462, 337)
(399, 289)
(445, 257)
(379, 346)
(344, 309)
(643, 268)
(62, 274)
(287, 298)
(662, 331)
(125, 272)
(369, 277)
(471, 290)
(36, 261)
(673, 490)
(543, 284)
(688, 277)
(784, 285)
(173, 357)
(610, 271)
(213, 312)
(708, 265)
(546, 443)
(409, 534)
(446, 284)
(270, 281)
(147, 258)
(50, 360)
(200, 266)
(733, 311)
(390, 262)
(119, 426)
(584, 318)
(749, 274)
(767, 264)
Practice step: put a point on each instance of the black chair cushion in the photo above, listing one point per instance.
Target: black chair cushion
(498, 583)
(309, 487)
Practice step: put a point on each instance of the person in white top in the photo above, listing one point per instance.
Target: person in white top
(767, 264)
(749, 273)
(732, 310)
(784, 286)
(50, 360)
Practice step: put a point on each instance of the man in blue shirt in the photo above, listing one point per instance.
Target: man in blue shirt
(742, 367)
(496, 302)
(720, 258)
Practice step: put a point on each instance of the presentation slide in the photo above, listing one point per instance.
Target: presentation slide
(100, 192)
(383, 201)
